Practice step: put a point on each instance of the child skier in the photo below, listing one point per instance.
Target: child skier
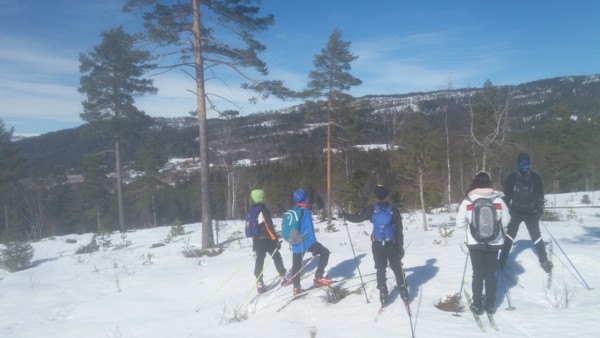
(309, 243)
(266, 241)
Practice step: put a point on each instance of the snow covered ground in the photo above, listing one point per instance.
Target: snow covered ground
(139, 291)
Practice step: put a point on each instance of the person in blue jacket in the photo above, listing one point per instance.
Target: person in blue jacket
(309, 243)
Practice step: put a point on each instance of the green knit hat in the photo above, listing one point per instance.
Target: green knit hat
(258, 196)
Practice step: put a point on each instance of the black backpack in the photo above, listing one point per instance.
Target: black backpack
(523, 198)
(485, 225)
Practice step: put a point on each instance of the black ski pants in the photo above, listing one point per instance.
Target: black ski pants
(262, 246)
(532, 222)
(315, 249)
(384, 253)
(484, 264)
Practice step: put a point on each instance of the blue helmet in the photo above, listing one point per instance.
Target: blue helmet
(523, 162)
(300, 195)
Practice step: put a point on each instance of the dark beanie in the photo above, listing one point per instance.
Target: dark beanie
(381, 192)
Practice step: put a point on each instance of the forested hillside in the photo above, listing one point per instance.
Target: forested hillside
(432, 142)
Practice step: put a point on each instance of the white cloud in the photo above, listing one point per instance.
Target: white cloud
(423, 62)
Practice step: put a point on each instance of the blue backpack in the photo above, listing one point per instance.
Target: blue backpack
(290, 225)
(252, 227)
(383, 229)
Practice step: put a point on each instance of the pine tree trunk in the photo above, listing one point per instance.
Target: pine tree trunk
(153, 210)
(6, 227)
(422, 195)
(329, 163)
(119, 186)
(449, 188)
(207, 231)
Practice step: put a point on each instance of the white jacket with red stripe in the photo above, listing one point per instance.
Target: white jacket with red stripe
(465, 214)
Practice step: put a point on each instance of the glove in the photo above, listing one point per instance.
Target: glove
(279, 245)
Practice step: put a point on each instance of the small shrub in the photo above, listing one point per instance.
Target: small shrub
(17, 255)
(92, 246)
(561, 295)
(148, 259)
(125, 243)
(239, 313)
(571, 214)
(550, 216)
(585, 199)
(450, 304)
(71, 241)
(104, 240)
(330, 227)
(445, 233)
(335, 294)
(191, 252)
(176, 230)
(236, 235)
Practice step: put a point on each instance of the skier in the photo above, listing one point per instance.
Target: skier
(387, 241)
(309, 243)
(266, 242)
(484, 256)
(524, 195)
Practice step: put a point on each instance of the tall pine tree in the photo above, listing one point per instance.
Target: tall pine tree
(112, 75)
(329, 79)
(209, 35)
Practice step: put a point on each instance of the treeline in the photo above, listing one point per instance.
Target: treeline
(427, 159)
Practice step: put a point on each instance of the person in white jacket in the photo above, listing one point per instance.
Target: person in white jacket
(484, 256)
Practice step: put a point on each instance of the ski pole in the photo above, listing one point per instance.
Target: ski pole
(461, 285)
(356, 260)
(567, 257)
(261, 274)
(223, 284)
(406, 305)
(506, 292)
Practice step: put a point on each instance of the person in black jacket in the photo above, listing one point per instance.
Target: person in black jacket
(387, 241)
(266, 242)
(524, 195)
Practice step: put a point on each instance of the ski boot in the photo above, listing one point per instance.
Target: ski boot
(322, 281)
(490, 309)
(547, 266)
(383, 296)
(297, 290)
(476, 309)
(284, 280)
(260, 286)
(403, 293)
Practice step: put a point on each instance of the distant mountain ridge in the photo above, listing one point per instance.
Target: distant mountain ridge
(272, 134)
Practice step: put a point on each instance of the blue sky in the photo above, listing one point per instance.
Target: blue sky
(403, 46)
